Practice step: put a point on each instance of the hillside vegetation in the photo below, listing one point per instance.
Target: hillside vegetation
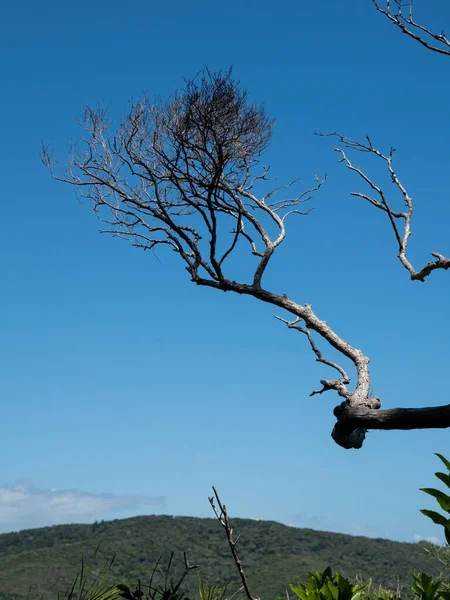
(46, 560)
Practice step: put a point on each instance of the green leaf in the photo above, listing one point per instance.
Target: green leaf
(300, 591)
(444, 477)
(443, 499)
(425, 587)
(330, 591)
(444, 460)
(435, 517)
(345, 588)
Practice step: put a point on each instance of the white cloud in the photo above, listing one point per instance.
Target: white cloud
(324, 523)
(427, 538)
(24, 506)
(303, 520)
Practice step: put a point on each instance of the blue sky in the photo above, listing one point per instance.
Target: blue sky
(128, 390)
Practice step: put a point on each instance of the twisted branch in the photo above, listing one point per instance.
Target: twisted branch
(400, 221)
(179, 173)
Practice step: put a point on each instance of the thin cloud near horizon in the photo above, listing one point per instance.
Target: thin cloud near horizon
(428, 538)
(23, 506)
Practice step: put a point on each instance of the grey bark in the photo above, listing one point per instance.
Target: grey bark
(181, 175)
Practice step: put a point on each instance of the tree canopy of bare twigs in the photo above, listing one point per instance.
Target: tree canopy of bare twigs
(186, 174)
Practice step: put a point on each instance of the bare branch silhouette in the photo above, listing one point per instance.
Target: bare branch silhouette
(222, 516)
(400, 13)
(185, 174)
(400, 220)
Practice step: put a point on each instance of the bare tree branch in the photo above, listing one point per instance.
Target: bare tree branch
(401, 16)
(222, 516)
(178, 166)
(400, 221)
(181, 174)
(187, 569)
(434, 417)
(338, 385)
(361, 395)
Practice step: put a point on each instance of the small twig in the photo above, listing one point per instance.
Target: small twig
(222, 517)
(338, 385)
(187, 568)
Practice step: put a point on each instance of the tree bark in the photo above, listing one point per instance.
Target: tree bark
(354, 419)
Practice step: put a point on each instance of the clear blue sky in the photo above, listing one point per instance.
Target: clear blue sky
(128, 390)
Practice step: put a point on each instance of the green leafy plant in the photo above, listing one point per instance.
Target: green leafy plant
(442, 498)
(168, 589)
(212, 592)
(425, 587)
(326, 586)
(85, 587)
(384, 594)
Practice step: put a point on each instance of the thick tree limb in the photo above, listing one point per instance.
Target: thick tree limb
(350, 418)
(361, 395)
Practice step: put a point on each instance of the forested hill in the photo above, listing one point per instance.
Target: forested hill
(47, 559)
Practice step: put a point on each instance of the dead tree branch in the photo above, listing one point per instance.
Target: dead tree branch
(400, 13)
(338, 385)
(432, 417)
(184, 174)
(222, 516)
(400, 220)
(187, 569)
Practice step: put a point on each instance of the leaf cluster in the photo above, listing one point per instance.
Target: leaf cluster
(442, 498)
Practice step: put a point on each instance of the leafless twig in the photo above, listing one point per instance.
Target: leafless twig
(222, 516)
(187, 569)
(401, 16)
(338, 385)
(400, 221)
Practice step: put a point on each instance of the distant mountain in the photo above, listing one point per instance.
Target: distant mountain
(46, 560)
